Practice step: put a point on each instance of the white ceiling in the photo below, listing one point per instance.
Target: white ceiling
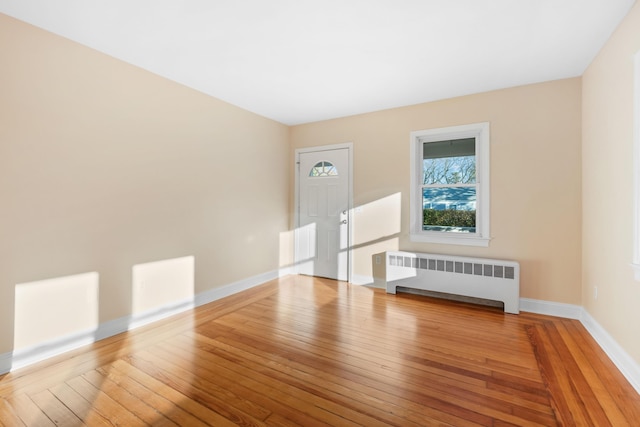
(298, 61)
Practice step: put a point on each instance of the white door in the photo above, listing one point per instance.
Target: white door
(323, 199)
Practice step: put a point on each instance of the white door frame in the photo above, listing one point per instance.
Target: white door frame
(296, 219)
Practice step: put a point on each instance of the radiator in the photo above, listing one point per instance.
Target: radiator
(489, 279)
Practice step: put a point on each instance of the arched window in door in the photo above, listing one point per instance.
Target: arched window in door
(323, 168)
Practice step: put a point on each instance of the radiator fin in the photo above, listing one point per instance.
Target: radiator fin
(509, 272)
(478, 269)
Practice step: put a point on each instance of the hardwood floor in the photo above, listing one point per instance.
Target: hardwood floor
(314, 352)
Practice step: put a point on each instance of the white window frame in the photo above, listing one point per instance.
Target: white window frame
(482, 236)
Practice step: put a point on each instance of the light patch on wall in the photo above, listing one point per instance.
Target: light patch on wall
(376, 229)
(287, 243)
(378, 219)
(51, 309)
(161, 284)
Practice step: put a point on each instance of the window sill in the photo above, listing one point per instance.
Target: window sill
(450, 239)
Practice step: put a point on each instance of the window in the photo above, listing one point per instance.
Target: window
(450, 185)
(323, 169)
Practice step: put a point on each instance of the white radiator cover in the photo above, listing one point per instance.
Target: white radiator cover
(490, 279)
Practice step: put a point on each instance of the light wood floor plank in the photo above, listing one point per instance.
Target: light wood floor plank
(196, 385)
(59, 413)
(610, 386)
(8, 416)
(80, 406)
(127, 400)
(153, 400)
(185, 411)
(29, 412)
(104, 404)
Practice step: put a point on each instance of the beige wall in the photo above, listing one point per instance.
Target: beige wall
(105, 167)
(535, 179)
(608, 187)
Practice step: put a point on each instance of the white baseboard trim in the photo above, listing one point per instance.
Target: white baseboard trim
(379, 283)
(623, 361)
(235, 287)
(128, 323)
(568, 311)
(361, 280)
(20, 358)
(30, 355)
